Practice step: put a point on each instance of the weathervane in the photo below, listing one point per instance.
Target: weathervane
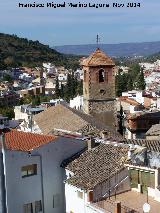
(97, 40)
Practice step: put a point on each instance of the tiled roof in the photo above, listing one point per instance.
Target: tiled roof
(97, 165)
(145, 114)
(152, 145)
(98, 58)
(154, 130)
(128, 100)
(66, 118)
(25, 141)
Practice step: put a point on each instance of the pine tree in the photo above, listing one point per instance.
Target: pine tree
(121, 118)
(68, 88)
(57, 90)
(140, 82)
(80, 88)
(129, 84)
(36, 100)
(62, 91)
(121, 83)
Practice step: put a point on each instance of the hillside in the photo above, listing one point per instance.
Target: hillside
(114, 50)
(154, 57)
(15, 51)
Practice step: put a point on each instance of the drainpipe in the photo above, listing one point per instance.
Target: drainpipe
(3, 178)
(42, 186)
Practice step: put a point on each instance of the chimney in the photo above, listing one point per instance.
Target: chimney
(91, 143)
(104, 134)
(117, 208)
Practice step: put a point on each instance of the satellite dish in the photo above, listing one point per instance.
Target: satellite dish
(146, 207)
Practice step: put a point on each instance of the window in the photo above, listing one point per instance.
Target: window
(80, 194)
(56, 200)
(152, 180)
(28, 208)
(142, 177)
(134, 178)
(29, 170)
(101, 75)
(38, 206)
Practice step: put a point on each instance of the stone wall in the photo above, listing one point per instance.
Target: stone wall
(104, 111)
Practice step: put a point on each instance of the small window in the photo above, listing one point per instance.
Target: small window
(29, 170)
(38, 206)
(101, 75)
(28, 208)
(80, 194)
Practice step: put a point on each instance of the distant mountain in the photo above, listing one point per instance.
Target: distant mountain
(114, 50)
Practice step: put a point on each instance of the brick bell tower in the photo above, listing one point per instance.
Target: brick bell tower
(99, 87)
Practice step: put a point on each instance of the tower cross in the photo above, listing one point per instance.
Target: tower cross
(97, 40)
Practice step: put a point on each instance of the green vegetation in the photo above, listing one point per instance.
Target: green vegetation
(7, 111)
(15, 52)
(66, 92)
(153, 58)
(35, 100)
(121, 121)
(7, 77)
(70, 90)
(134, 79)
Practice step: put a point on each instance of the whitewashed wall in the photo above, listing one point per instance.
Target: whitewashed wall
(26, 190)
(73, 202)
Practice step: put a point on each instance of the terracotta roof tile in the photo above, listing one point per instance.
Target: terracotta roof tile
(128, 100)
(152, 145)
(97, 165)
(154, 130)
(97, 58)
(25, 141)
(66, 118)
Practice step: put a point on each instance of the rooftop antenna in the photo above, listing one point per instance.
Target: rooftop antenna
(97, 40)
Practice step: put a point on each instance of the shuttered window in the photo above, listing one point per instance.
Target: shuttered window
(134, 178)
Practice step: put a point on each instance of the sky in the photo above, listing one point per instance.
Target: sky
(61, 26)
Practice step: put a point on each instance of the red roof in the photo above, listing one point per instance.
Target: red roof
(128, 100)
(25, 141)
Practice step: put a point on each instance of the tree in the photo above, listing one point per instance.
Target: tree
(27, 99)
(62, 91)
(140, 82)
(134, 71)
(121, 120)
(79, 89)
(57, 90)
(69, 93)
(129, 84)
(8, 112)
(9, 61)
(7, 77)
(36, 100)
(121, 83)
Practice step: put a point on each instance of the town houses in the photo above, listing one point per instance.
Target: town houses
(90, 153)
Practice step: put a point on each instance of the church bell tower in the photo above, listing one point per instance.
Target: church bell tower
(99, 87)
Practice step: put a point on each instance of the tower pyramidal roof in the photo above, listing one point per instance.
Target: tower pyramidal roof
(98, 58)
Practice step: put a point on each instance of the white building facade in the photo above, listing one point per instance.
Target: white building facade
(36, 177)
